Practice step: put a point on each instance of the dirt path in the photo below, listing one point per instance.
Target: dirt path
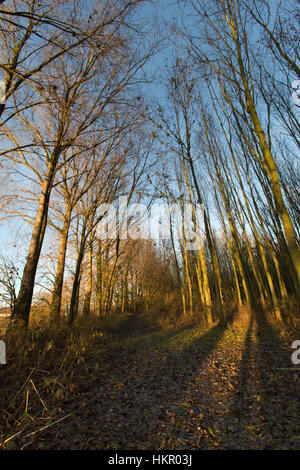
(229, 387)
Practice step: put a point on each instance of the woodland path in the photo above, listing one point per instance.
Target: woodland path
(229, 387)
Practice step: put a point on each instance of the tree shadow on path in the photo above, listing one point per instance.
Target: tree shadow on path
(264, 411)
(141, 400)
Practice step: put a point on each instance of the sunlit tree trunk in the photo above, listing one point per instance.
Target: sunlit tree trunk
(230, 249)
(89, 286)
(270, 163)
(23, 302)
(76, 280)
(55, 306)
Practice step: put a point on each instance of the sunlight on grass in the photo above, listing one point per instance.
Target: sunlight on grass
(174, 340)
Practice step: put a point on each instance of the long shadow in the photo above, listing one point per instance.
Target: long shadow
(264, 412)
(239, 418)
(156, 400)
(280, 389)
(141, 402)
(187, 399)
(166, 381)
(136, 334)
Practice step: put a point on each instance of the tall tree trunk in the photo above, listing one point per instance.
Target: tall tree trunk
(110, 276)
(270, 164)
(88, 292)
(76, 281)
(99, 279)
(230, 249)
(55, 306)
(211, 247)
(23, 302)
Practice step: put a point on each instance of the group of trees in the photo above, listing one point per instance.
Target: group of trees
(79, 129)
(233, 127)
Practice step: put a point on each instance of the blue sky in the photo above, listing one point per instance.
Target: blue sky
(15, 234)
(164, 10)
(158, 12)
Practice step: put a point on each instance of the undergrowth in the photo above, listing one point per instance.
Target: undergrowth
(42, 363)
(39, 373)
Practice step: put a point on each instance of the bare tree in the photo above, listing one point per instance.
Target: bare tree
(85, 87)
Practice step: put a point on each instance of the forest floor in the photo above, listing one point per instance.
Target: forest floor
(231, 386)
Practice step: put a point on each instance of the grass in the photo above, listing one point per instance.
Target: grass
(42, 364)
(41, 368)
(174, 340)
